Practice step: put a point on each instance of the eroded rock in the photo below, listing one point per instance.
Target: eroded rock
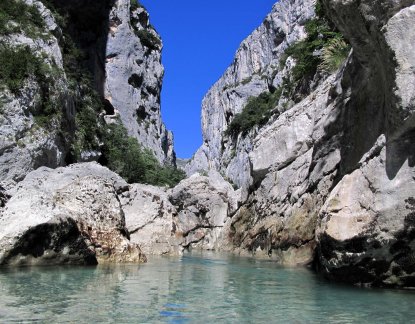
(204, 205)
(69, 215)
(151, 220)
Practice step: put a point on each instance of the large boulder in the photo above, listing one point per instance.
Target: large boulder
(150, 220)
(68, 215)
(204, 207)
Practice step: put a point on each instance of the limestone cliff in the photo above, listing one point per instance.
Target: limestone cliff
(329, 176)
(85, 61)
(255, 69)
(134, 76)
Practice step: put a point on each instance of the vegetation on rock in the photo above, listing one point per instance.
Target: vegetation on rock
(125, 156)
(17, 16)
(84, 129)
(322, 37)
(19, 64)
(134, 5)
(148, 39)
(257, 112)
(324, 49)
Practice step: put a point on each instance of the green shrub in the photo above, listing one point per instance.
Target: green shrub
(334, 54)
(125, 156)
(148, 39)
(17, 16)
(134, 5)
(322, 36)
(256, 112)
(17, 65)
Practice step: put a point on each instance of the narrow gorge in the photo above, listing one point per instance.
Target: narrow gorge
(308, 141)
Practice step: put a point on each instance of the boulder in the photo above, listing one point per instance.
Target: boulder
(204, 205)
(367, 227)
(151, 220)
(68, 215)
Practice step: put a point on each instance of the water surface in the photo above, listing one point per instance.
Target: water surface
(208, 288)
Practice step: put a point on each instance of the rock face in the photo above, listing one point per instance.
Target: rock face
(365, 229)
(151, 220)
(121, 52)
(280, 216)
(24, 145)
(68, 215)
(133, 49)
(190, 216)
(328, 179)
(254, 70)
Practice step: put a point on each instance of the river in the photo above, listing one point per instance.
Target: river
(194, 288)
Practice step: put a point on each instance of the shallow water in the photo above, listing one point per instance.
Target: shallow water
(208, 288)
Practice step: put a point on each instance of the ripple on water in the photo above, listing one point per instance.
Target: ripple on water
(206, 288)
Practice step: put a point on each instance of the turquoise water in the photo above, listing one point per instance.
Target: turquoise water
(206, 288)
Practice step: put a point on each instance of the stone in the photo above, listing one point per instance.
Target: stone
(151, 220)
(254, 70)
(134, 76)
(365, 230)
(126, 73)
(68, 215)
(203, 204)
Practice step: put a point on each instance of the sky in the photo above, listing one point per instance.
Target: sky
(200, 39)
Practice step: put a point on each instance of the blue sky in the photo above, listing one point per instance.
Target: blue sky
(200, 39)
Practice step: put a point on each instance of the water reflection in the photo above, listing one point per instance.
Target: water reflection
(206, 288)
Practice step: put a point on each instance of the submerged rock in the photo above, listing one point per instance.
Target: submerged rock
(69, 215)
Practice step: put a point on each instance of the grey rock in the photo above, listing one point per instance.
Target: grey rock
(364, 234)
(24, 145)
(151, 220)
(134, 75)
(254, 69)
(129, 78)
(279, 217)
(204, 204)
(68, 215)
(364, 225)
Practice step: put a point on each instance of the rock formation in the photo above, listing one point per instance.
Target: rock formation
(255, 69)
(111, 42)
(68, 215)
(364, 233)
(329, 177)
(326, 179)
(134, 75)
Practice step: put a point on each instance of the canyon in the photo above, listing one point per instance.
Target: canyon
(323, 176)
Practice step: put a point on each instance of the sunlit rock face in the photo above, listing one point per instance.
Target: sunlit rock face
(134, 75)
(329, 178)
(255, 69)
(69, 215)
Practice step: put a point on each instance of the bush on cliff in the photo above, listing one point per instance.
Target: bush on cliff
(18, 65)
(17, 16)
(324, 48)
(256, 112)
(125, 156)
(148, 39)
